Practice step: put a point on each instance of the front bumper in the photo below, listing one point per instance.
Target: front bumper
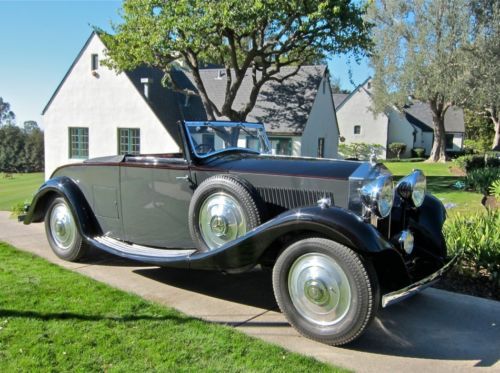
(399, 295)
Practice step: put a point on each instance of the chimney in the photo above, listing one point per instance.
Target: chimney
(219, 74)
(147, 82)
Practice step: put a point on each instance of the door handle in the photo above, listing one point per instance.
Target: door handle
(186, 177)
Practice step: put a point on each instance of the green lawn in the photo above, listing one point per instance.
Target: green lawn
(18, 189)
(52, 319)
(439, 183)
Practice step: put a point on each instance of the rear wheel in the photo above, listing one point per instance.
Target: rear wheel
(62, 232)
(325, 290)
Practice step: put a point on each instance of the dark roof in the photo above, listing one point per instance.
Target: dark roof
(339, 98)
(282, 107)
(453, 119)
(417, 123)
(163, 101)
(348, 97)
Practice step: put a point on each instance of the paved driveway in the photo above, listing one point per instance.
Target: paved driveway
(434, 331)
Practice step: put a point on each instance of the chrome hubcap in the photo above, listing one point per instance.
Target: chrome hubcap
(62, 227)
(319, 289)
(221, 220)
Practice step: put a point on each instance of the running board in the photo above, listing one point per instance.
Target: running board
(142, 253)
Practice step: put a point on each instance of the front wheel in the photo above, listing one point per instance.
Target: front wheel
(62, 232)
(325, 290)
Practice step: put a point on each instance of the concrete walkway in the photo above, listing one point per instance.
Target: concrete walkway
(436, 331)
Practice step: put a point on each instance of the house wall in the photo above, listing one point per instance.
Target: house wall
(103, 104)
(356, 112)
(428, 138)
(400, 130)
(458, 141)
(322, 123)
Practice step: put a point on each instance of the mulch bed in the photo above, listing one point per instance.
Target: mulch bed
(479, 287)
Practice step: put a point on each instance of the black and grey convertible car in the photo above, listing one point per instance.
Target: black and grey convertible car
(340, 238)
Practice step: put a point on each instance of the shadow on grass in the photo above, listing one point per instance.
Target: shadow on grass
(76, 316)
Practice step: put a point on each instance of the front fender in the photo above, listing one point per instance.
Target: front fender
(335, 223)
(63, 186)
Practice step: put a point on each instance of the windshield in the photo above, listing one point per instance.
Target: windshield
(208, 138)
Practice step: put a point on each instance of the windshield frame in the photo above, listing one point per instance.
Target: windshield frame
(253, 125)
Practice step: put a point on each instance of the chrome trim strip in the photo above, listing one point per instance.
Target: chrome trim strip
(399, 295)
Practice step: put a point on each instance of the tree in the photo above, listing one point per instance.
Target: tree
(418, 53)
(6, 115)
(21, 150)
(33, 147)
(483, 77)
(397, 148)
(335, 86)
(479, 130)
(252, 37)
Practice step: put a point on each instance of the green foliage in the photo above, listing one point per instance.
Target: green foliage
(21, 150)
(360, 150)
(7, 116)
(479, 131)
(481, 179)
(479, 237)
(481, 57)
(56, 320)
(260, 36)
(18, 208)
(418, 54)
(397, 148)
(495, 189)
(472, 161)
(418, 152)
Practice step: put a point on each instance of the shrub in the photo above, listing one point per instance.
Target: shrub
(472, 162)
(418, 152)
(479, 238)
(397, 148)
(495, 189)
(481, 179)
(360, 150)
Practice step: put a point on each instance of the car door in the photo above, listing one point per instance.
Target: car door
(155, 196)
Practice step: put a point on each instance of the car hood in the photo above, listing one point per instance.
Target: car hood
(288, 166)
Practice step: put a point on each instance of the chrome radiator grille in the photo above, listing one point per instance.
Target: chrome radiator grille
(293, 198)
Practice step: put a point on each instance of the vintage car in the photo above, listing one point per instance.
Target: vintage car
(340, 238)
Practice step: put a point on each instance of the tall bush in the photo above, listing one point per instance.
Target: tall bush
(478, 235)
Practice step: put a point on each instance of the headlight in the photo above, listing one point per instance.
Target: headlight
(378, 195)
(412, 188)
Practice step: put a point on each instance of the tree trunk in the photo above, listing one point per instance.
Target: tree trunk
(496, 139)
(438, 152)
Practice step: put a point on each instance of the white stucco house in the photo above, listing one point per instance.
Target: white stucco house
(412, 125)
(96, 112)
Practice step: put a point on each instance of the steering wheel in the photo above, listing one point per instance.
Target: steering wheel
(203, 148)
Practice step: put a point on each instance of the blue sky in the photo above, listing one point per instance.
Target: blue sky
(40, 39)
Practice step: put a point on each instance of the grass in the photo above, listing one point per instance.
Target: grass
(439, 183)
(52, 319)
(18, 189)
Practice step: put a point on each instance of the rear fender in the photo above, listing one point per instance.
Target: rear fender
(63, 186)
